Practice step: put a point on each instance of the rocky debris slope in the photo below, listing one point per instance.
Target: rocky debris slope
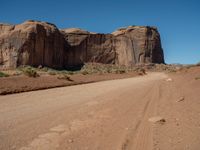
(39, 43)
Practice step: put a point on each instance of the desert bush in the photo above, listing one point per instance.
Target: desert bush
(45, 69)
(120, 71)
(84, 72)
(51, 71)
(141, 71)
(172, 70)
(30, 71)
(91, 68)
(2, 74)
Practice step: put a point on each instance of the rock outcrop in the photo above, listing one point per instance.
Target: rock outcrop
(88, 47)
(39, 43)
(31, 43)
(126, 46)
(138, 44)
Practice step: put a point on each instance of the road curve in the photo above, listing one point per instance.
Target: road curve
(108, 115)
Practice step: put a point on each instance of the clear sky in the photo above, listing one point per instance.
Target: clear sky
(178, 21)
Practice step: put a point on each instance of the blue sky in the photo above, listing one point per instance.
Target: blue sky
(178, 21)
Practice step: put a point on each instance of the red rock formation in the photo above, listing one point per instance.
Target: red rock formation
(88, 47)
(126, 46)
(138, 44)
(31, 43)
(38, 43)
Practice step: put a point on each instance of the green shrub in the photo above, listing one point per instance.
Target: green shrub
(2, 74)
(172, 70)
(85, 72)
(30, 71)
(141, 71)
(120, 71)
(45, 69)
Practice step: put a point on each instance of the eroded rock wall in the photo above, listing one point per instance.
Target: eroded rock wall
(88, 47)
(31, 43)
(126, 46)
(138, 45)
(39, 43)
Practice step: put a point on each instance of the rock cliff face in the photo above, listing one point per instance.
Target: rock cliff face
(88, 47)
(126, 46)
(138, 45)
(31, 43)
(38, 43)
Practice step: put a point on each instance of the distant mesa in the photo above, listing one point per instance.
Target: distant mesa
(38, 43)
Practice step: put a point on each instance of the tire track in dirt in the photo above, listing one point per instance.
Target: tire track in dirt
(141, 138)
(128, 140)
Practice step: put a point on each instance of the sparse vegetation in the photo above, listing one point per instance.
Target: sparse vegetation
(29, 71)
(2, 74)
(84, 72)
(92, 68)
(121, 71)
(98, 68)
(141, 71)
(45, 69)
(51, 71)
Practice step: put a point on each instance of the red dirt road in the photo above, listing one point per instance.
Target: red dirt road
(108, 115)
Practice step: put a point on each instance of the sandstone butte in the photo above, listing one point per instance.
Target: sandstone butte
(37, 43)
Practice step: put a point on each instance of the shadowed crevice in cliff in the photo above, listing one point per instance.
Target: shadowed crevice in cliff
(74, 68)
